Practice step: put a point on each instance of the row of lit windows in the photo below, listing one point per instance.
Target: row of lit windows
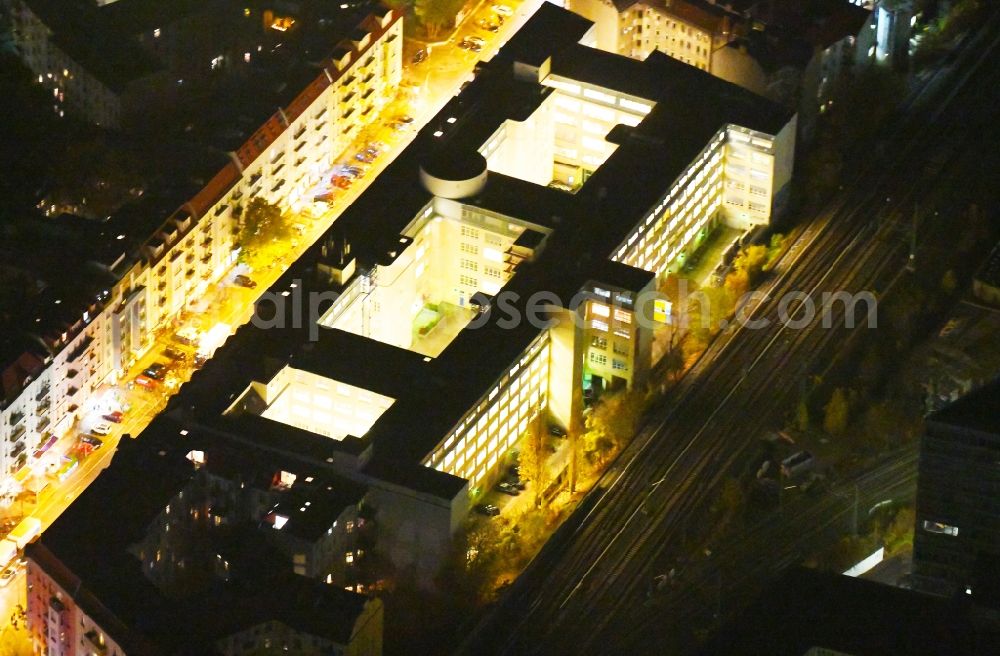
(500, 418)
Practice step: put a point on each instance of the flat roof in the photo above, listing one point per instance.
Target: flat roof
(106, 579)
(978, 410)
(433, 394)
(805, 608)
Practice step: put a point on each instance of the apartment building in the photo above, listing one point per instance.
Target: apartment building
(687, 31)
(187, 553)
(147, 265)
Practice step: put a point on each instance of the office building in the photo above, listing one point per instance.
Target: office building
(958, 513)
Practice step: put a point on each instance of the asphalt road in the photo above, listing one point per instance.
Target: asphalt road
(586, 592)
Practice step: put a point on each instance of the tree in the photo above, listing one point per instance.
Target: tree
(802, 415)
(835, 414)
(731, 498)
(949, 282)
(532, 457)
(436, 15)
(752, 260)
(261, 224)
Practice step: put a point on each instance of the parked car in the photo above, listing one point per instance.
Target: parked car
(403, 118)
(365, 157)
(117, 416)
(487, 509)
(507, 488)
(101, 428)
(7, 576)
(797, 464)
(243, 281)
(174, 354)
(156, 371)
(92, 440)
(502, 10)
(516, 482)
(419, 56)
(476, 40)
(145, 381)
(487, 25)
(341, 181)
(557, 431)
(199, 360)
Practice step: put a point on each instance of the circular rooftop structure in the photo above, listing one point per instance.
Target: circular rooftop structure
(454, 174)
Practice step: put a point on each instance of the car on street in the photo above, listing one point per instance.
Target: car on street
(7, 576)
(341, 181)
(557, 431)
(487, 25)
(404, 118)
(116, 416)
(365, 157)
(419, 56)
(502, 10)
(92, 440)
(101, 428)
(156, 371)
(476, 40)
(487, 509)
(244, 281)
(199, 360)
(466, 44)
(507, 488)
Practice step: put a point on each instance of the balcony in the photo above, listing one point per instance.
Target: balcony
(18, 432)
(207, 258)
(72, 373)
(96, 641)
(16, 417)
(43, 407)
(42, 394)
(206, 242)
(189, 273)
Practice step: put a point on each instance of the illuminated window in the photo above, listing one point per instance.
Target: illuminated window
(599, 324)
(598, 358)
(622, 315)
(940, 528)
(600, 310)
(493, 254)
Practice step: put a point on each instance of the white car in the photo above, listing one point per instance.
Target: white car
(503, 10)
(475, 40)
(101, 428)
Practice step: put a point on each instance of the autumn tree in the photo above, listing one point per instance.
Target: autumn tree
(835, 414)
(532, 457)
(260, 224)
